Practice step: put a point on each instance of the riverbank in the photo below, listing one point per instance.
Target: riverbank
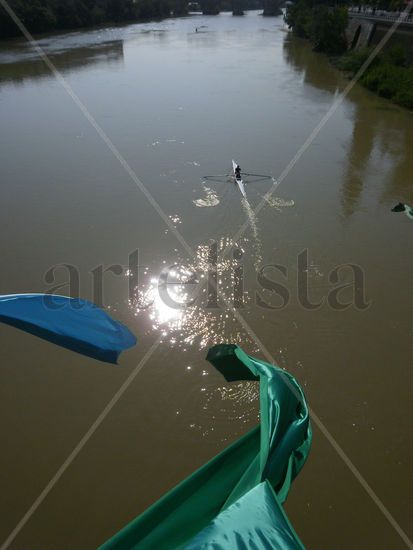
(389, 76)
(51, 16)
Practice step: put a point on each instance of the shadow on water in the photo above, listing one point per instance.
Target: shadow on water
(362, 144)
(20, 70)
(380, 130)
(315, 68)
(382, 136)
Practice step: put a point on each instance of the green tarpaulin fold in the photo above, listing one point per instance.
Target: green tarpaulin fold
(256, 521)
(255, 473)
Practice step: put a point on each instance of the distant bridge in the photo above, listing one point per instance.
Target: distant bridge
(383, 18)
(212, 7)
(362, 26)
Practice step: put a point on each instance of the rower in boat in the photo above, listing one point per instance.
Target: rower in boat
(236, 177)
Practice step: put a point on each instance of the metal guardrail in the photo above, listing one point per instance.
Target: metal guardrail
(390, 17)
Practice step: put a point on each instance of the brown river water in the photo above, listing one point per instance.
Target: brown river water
(177, 105)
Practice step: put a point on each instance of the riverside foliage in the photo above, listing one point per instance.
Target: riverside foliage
(49, 15)
(390, 75)
(323, 25)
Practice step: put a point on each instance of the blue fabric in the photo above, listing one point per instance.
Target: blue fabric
(256, 521)
(72, 323)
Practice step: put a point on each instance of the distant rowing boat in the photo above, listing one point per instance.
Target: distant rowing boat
(238, 179)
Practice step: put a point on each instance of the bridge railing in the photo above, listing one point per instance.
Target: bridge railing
(367, 13)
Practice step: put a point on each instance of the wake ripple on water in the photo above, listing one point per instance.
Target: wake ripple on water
(277, 202)
(252, 220)
(210, 199)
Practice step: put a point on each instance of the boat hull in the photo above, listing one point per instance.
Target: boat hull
(239, 181)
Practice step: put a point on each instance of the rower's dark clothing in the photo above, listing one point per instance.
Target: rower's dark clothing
(238, 172)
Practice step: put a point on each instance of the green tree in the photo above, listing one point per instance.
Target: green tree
(323, 25)
(210, 7)
(299, 18)
(328, 30)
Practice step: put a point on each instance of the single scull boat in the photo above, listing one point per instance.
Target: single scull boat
(238, 179)
(236, 176)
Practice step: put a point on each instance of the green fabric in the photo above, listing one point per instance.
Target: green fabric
(255, 521)
(274, 451)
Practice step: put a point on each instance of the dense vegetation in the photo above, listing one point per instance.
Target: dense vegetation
(323, 25)
(239, 5)
(47, 15)
(390, 75)
(324, 22)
